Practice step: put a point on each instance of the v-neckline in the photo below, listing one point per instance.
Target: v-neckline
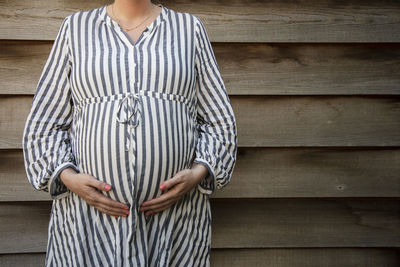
(144, 33)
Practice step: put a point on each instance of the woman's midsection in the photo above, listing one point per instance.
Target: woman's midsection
(134, 160)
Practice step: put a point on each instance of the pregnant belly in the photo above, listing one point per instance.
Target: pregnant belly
(134, 161)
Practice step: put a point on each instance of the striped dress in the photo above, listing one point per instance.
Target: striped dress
(132, 115)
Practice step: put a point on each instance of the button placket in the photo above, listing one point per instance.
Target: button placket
(132, 84)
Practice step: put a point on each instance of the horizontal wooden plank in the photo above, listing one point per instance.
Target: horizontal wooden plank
(256, 69)
(23, 259)
(327, 257)
(317, 121)
(249, 21)
(267, 172)
(310, 222)
(29, 237)
(246, 223)
(274, 121)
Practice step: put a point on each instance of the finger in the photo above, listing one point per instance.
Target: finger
(171, 182)
(164, 197)
(155, 206)
(99, 184)
(105, 210)
(112, 203)
(112, 211)
(108, 201)
(161, 208)
(109, 210)
(161, 204)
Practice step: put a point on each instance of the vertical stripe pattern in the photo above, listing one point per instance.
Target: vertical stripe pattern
(131, 114)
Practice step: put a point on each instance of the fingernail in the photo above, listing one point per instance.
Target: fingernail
(127, 208)
(162, 186)
(124, 215)
(107, 187)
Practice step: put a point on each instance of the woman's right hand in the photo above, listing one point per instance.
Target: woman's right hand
(85, 185)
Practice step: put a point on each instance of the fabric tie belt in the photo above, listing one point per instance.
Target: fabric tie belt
(131, 105)
(131, 97)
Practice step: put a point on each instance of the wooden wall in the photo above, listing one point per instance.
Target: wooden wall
(316, 89)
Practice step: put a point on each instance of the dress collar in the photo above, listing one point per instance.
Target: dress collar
(109, 21)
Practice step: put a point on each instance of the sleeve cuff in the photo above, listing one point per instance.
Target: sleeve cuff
(57, 188)
(207, 185)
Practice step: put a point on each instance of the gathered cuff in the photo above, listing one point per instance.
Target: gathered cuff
(57, 188)
(207, 185)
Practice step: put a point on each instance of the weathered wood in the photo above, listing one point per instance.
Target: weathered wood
(22, 63)
(23, 259)
(276, 121)
(303, 151)
(249, 21)
(17, 234)
(255, 69)
(267, 172)
(317, 121)
(307, 222)
(327, 257)
(246, 223)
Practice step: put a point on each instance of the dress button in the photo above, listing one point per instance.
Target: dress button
(127, 146)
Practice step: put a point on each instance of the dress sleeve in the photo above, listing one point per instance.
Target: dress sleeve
(46, 143)
(216, 126)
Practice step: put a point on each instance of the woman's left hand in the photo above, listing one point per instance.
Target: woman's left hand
(182, 182)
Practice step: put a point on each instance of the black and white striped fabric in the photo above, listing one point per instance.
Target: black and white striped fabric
(132, 115)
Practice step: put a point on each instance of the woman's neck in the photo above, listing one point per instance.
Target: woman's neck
(132, 10)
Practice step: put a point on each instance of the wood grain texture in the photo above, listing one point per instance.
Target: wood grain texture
(317, 121)
(237, 21)
(267, 173)
(311, 222)
(247, 223)
(313, 257)
(315, 88)
(23, 259)
(274, 121)
(255, 69)
(314, 172)
(298, 257)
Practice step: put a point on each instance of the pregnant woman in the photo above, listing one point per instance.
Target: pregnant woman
(130, 132)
